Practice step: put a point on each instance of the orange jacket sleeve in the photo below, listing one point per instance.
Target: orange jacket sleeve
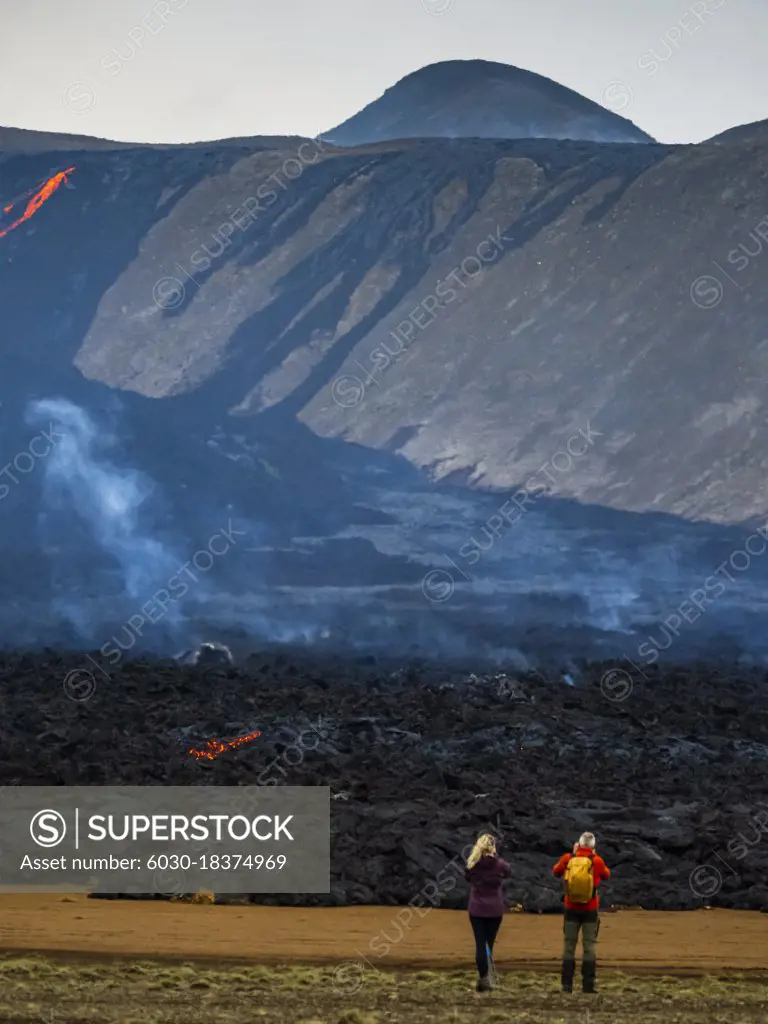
(559, 868)
(602, 868)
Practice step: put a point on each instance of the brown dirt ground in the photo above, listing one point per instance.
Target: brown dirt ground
(74, 925)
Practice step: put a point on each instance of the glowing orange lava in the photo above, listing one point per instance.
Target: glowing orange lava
(213, 748)
(36, 200)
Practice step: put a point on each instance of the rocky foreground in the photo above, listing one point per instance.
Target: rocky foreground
(668, 770)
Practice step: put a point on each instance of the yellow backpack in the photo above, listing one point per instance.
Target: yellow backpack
(579, 879)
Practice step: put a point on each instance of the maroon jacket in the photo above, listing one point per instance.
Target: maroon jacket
(485, 878)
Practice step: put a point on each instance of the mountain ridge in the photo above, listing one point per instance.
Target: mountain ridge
(755, 132)
(482, 99)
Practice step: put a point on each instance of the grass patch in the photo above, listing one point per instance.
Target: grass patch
(36, 990)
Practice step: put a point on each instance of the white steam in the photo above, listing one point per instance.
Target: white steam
(106, 498)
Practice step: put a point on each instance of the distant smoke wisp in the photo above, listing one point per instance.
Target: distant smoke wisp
(107, 499)
(439, 585)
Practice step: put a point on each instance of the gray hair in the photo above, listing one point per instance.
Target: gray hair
(587, 839)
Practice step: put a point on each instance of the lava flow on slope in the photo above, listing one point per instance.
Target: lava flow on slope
(35, 199)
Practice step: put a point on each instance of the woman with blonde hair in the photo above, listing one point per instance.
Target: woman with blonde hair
(485, 873)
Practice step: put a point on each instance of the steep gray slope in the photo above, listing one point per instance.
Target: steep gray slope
(603, 300)
(482, 99)
(235, 290)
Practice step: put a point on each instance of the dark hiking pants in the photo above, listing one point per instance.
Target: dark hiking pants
(486, 929)
(586, 923)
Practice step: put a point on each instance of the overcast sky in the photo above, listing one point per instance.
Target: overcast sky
(183, 70)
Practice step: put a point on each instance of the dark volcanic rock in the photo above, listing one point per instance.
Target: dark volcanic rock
(482, 99)
(416, 769)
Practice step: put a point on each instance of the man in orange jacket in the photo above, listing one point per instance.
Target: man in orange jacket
(581, 917)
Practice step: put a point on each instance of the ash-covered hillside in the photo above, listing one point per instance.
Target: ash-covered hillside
(484, 100)
(462, 393)
(345, 289)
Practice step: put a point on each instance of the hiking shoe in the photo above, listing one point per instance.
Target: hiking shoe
(483, 984)
(492, 977)
(588, 971)
(566, 975)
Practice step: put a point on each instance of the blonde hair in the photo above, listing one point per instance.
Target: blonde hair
(484, 847)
